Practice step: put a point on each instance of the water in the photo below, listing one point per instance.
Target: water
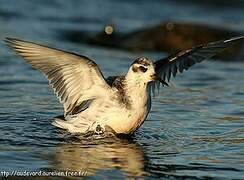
(195, 128)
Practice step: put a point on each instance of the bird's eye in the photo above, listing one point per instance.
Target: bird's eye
(142, 69)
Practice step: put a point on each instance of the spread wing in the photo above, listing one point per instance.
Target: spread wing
(75, 79)
(182, 60)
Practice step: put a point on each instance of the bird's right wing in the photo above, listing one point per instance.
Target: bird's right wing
(184, 59)
(75, 79)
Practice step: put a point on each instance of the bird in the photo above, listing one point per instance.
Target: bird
(117, 104)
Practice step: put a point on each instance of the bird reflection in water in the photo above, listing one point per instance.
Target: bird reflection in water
(93, 156)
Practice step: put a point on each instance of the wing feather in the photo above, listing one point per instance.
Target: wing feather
(183, 60)
(73, 77)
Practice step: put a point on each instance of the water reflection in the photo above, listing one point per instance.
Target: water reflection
(110, 153)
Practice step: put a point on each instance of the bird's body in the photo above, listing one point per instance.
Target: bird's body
(119, 104)
(122, 110)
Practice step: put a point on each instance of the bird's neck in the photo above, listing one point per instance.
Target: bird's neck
(137, 92)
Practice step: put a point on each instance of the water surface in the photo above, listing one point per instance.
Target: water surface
(195, 128)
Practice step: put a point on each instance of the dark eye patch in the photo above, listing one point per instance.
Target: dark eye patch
(142, 69)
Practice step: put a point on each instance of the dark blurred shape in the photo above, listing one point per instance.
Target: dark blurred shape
(213, 3)
(167, 37)
(10, 14)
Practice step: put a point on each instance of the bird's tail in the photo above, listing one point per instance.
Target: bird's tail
(71, 126)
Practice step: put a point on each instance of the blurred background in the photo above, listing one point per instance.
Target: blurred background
(196, 127)
(159, 25)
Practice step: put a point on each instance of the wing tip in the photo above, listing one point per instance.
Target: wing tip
(234, 39)
(11, 41)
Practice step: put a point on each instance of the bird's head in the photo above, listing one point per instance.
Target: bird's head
(142, 70)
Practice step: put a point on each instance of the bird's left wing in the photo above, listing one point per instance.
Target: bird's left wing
(76, 79)
(182, 60)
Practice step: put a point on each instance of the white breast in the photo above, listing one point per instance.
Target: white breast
(127, 120)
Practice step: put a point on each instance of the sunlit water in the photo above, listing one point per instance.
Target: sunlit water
(195, 128)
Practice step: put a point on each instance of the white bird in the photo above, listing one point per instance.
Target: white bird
(118, 104)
